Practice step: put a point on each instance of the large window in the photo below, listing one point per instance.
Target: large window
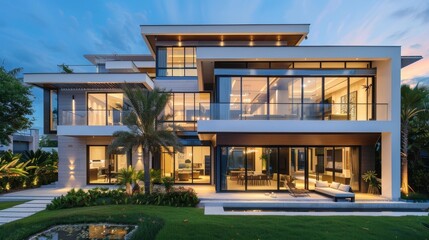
(53, 110)
(312, 98)
(176, 61)
(193, 165)
(183, 109)
(104, 168)
(270, 168)
(105, 109)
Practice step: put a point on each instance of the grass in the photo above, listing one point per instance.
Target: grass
(190, 223)
(4, 205)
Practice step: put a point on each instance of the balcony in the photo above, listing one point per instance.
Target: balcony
(93, 118)
(91, 122)
(294, 111)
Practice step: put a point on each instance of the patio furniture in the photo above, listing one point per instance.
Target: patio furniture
(196, 174)
(335, 190)
(184, 176)
(297, 192)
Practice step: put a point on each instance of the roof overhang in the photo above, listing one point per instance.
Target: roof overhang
(292, 34)
(102, 58)
(408, 60)
(87, 80)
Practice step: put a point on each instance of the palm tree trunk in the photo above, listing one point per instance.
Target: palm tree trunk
(146, 170)
(404, 158)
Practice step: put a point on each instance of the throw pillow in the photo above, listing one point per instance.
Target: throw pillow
(334, 185)
(344, 188)
(322, 184)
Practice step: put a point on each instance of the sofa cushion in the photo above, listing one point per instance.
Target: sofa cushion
(334, 185)
(322, 184)
(344, 188)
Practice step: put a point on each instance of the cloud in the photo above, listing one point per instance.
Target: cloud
(404, 13)
(398, 35)
(416, 46)
(423, 80)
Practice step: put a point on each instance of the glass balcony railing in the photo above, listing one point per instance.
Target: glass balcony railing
(293, 111)
(93, 118)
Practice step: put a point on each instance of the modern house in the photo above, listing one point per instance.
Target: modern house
(254, 108)
(22, 141)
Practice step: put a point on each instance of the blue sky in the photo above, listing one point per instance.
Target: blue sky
(39, 35)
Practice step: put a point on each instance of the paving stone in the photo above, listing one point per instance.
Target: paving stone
(15, 214)
(23, 210)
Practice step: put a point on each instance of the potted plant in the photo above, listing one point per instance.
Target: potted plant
(373, 183)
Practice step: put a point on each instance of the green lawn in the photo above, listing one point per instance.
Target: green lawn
(191, 223)
(4, 205)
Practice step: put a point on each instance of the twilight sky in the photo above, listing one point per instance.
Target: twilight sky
(39, 35)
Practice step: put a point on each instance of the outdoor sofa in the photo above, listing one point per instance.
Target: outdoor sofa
(335, 190)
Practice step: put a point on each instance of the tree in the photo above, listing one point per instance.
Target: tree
(146, 128)
(413, 102)
(15, 104)
(45, 141)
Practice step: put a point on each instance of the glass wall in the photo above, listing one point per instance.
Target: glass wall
(176, 61)
(105, 108)
(183, 109)
(193, 165)
(104, 168)
(272, 168)
(312, 98)
(304, 98)
(285, 97)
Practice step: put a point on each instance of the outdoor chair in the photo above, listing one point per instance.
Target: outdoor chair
(297, 192)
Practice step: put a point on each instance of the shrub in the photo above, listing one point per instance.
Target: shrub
(168, 183)
(155, 176)
(180, 197)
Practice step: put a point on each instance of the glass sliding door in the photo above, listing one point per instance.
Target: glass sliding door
(254, 98)
(285, 98)
(105, 109)
(96, 109)
(104, 168)
(360, 98)
(233, 168)
(313, 158)
(336, 98)
(115, 104)
(167, 163)
(261, 162)
(270, 168)
(312, 98)
(193, 165)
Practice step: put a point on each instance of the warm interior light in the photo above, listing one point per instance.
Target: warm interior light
(251, 43)
(222, 43)
(179, 43)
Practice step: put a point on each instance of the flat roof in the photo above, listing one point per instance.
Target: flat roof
(293, 34)
(408, 60)
(102, 58)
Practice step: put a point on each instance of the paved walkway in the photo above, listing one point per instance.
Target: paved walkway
(22, 210)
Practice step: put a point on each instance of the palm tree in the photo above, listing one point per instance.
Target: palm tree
(146, 128)
(413, 101)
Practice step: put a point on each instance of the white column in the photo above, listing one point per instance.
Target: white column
(390, 165)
